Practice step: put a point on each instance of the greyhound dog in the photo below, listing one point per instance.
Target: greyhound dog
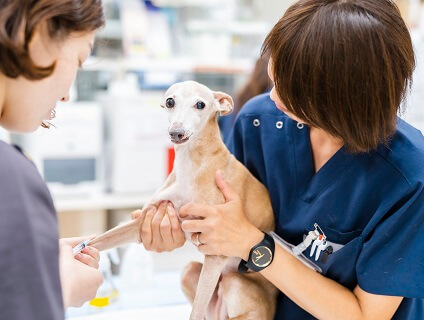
(215, 289)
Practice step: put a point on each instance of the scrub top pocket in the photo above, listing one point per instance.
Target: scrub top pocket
(340, 265)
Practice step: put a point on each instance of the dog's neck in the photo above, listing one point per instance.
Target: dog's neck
(206, 145)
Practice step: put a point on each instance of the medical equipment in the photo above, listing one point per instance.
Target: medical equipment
(69, 157)
(78, 248)
(138, 143)
(289, 248)
(107, 293)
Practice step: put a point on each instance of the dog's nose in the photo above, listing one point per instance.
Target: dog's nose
(177, 134)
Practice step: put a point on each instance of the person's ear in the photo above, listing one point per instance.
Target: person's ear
(224, 101)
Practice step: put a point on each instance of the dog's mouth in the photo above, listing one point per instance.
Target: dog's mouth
(180, 141)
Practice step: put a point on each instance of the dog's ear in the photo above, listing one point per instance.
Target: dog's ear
(224, 101)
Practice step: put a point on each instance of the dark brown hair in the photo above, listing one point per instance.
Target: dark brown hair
(20, 18)
(343, 66)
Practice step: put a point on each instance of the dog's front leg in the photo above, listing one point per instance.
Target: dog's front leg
(209, 277)
(120, 235)
(130, 232)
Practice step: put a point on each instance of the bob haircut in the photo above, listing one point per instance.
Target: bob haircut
(343, 66)
(20, 18)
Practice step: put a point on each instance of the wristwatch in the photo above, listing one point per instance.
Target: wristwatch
(260, 256)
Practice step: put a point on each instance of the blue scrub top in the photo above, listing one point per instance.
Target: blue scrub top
(372, 204)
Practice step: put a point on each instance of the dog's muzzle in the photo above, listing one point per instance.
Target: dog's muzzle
(178, 135)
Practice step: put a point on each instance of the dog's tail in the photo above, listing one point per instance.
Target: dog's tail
(119, 236)
(209, 277)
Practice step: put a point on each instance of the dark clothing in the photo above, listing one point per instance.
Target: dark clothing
(30, 286)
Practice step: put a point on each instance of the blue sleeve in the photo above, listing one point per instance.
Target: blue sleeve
(29, 266)
(392, 259)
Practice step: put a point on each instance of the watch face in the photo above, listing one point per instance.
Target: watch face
(261, 256)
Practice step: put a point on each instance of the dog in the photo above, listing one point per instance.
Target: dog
(215, 289)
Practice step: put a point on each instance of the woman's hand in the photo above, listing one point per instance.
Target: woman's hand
(224, 229)
(161, 229)
(79, 275)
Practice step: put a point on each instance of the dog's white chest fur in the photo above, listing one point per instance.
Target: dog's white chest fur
(185, 174)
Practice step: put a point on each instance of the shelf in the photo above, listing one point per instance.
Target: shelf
(112, 30)
(174, 312)
(183, 3)
(106, 201)
(249, 28)
(179, 65)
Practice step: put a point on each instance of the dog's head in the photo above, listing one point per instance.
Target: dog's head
(190, 106)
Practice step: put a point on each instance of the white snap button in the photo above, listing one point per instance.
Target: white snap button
(256, 123)
(300, 125)
(279, 124)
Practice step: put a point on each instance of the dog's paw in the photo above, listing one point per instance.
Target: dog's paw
(153, 205)
(142, 212)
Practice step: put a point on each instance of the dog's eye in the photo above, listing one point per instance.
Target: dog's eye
(170, 103)
(200, 105)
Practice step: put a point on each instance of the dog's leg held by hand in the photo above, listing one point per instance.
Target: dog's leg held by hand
(121, 235)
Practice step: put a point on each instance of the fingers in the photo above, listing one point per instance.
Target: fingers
(195, 210)
(161, 230)
(87, 260)
(135, 214)
(146, 228)
(171, 235)
(193, 226)
(156, 223)
(166, 233)
(228, 193)
(93, 252)
(177, 232)
(175, 223)
(197, 239)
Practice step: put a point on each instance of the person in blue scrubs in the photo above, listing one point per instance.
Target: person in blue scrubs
(328, 145)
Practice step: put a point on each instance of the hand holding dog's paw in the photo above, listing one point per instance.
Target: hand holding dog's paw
(161, 230)
(224, 229)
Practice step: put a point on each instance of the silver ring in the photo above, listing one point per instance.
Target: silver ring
(198, 240)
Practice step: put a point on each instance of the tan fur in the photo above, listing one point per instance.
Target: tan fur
(241, 296)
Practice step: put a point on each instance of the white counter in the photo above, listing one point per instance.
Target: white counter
(176, 312)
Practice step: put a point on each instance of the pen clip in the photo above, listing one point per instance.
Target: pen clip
(316, 226)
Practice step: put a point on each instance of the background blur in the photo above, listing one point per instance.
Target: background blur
(109, 150)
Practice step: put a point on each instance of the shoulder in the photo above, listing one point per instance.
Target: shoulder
(406, 153)
(19, 178)
(260, 112)
(260, 105)
(13, 163)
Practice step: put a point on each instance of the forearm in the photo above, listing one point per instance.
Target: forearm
(318, 295)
